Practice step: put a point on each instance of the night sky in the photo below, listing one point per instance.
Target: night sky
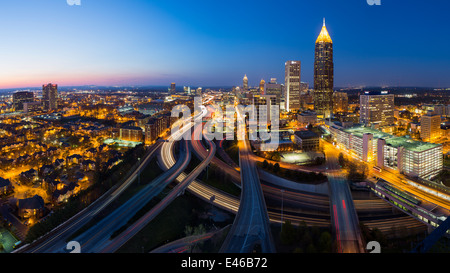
(214, 43)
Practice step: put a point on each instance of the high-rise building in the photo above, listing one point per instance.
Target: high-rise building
(187, 90)
(245, 83)
(430, 126)
(50, 96)
(323, 74)
(262, 84)
(21, 97)
(172, 88)
(292, 85)
(199, 91)
(340, 102)
(376, 108)
(274, 88)
(264, 103)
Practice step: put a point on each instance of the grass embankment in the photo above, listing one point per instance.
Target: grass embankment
(170, 224)
(292, 175)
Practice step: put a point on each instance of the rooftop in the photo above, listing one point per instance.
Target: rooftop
(359, 131)
(306, 134)
(409, 144)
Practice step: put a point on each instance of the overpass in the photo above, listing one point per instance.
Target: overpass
(179, 189)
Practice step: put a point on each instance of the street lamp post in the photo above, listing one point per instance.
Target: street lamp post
(282, 191)
(139, 173)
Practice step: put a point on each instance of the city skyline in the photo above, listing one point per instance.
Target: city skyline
(103, 49)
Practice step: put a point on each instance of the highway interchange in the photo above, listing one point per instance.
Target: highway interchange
(251, 227)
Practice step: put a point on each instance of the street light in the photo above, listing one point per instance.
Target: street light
(282, 191)
(139, 173)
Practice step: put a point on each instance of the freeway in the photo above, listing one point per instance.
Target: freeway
(343, 214)
(96, 237)
(120, 240)
(251, 227)
(56, 239)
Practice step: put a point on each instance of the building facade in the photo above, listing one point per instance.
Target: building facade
(274, 88)
(340, 102)
(50, 97)
(21, 97)
(402, 154)
(245, 83)
(376, 108)
(292, 76)
(323, 74)
(306, 140)
(430, 126)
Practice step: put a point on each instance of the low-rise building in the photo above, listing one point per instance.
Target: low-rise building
(402, 154)
(306, 140)
(307, 117)
(31, 207)
(5, 186)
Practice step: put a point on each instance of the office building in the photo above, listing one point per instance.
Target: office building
(402, 154)
(306, 140)
(340, 102)
(172, 88)
(34, 106)
(307, 117)
(430, 126)
(50, 97)
(292, 76)
(245, 83)
(412, 158)
(274, 88)
(323, 74)
(264, 103)
(21, 97)
(377, 108)
(262, 84)
(131, 133)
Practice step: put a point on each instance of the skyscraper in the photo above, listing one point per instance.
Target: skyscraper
(274, 88)
(323, 74)
(50, 96)
(21, 97)
(292, 85)
(245, 83)
(172, 88)
(376, 108)
(262, 84)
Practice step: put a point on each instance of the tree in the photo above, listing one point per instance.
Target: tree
(265, 164)
(325, 242)
(276, 168)
(287, 234)
(341, 160)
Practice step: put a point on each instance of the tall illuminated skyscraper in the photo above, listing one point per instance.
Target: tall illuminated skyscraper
(292, 85)
(50, 96)
(262, 84)
(323, 74)
(245, 83)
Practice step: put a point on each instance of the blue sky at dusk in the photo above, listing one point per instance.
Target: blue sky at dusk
(214, 43)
